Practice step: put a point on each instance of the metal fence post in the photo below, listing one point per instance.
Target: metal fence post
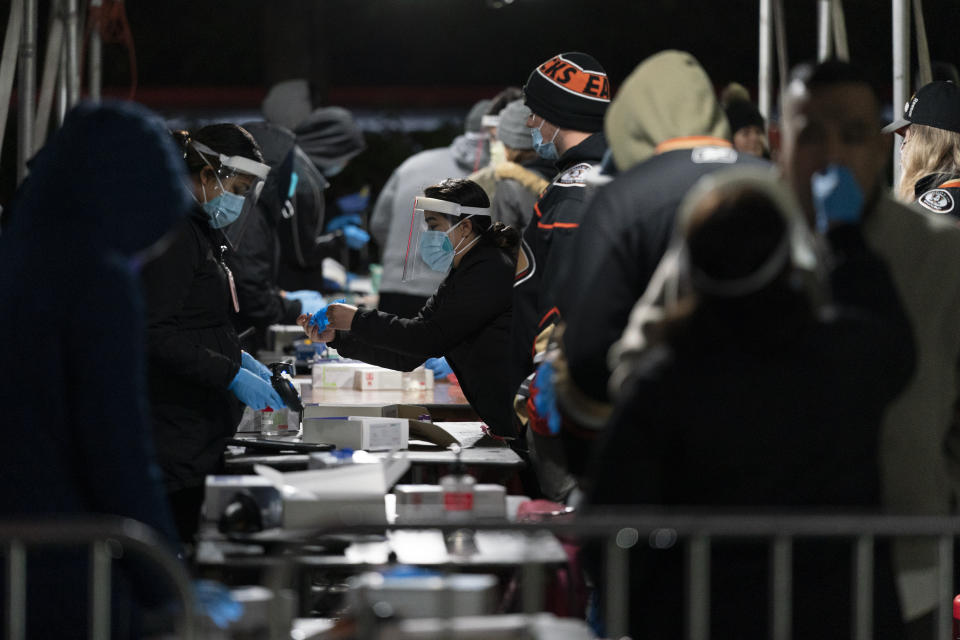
(781, 588)
(862, 588)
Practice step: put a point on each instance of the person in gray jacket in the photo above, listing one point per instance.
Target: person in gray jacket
(390, 220)
(523, 177)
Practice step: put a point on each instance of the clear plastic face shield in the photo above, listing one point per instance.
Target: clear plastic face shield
(432, 243)
(239, 184)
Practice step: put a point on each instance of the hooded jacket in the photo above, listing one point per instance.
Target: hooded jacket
(939, 193)
(105, 189)
(516, 190)
(547, 243)
(390, 220)
(255, 256)
(676, 134)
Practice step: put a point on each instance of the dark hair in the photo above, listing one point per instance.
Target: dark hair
(829, 73)
(226, 138)
(502, 99)
(469, 194)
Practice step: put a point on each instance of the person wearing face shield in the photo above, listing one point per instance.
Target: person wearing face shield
(467, 320)
(197, 372)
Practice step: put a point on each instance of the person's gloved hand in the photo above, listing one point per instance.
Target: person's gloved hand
(344, 220)
(837, 197)
(440, 367)
(214, 600)
(310, 301)
(355, 203)
(544, 397)
(254, 391)
(319, 319)
(355, 237)
(250, 363)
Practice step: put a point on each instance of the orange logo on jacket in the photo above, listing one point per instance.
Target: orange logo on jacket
(570, 77)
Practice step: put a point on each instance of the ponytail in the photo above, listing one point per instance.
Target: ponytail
(500, 235)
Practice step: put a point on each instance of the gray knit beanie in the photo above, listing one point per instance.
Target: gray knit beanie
(512, 130)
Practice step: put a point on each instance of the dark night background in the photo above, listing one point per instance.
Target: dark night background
(205, 59)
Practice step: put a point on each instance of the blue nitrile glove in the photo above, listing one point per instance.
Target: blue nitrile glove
(836, 196)
(250, 363)
(214, 600)
(546, 398)
(356, 202)
(344, 220)
(319, 319)
(254, 391)
(439, 366)
(355, 237)
(310, 300)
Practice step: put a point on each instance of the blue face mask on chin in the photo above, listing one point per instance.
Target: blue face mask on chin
(546, 150)
(223, 209)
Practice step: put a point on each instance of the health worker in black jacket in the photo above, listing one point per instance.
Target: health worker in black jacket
(467, 320)
(198, 375)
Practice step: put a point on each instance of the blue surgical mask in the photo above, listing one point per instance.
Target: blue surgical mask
(437, 250)
(546, 150)
(223, 209)
(329, 172)
(837, 197)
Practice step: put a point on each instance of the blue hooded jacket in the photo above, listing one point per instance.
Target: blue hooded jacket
(105, 189)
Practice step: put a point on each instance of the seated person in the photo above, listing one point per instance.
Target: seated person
(467, 320)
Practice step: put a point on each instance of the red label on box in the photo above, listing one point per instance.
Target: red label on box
(458, 501)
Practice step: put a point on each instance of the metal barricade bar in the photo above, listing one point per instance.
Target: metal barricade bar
(862, 588)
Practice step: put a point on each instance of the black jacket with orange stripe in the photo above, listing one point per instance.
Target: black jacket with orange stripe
(625, 233)
(939, 193)
(547, 244)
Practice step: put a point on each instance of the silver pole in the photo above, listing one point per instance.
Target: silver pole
(824, 33)
(95, 53)
(945, 592)
(698, 585)
(765, 80)
(901, 71)
(780, 29)
(26, 87)
(781, 582)
(617, 585)
(72, 53)
(840, 32)
(16, 604)
(8, 65)
(863, 588)
(100, 590)
(61, 87)
(923, 49)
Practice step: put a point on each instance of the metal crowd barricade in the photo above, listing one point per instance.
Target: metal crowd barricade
(102, 536)
(622, 530)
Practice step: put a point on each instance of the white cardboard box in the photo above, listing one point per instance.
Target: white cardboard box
(336, 374)
(358, 432)
(424, 502)
(377, 379)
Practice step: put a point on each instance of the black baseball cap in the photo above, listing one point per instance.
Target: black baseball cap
(936, 104)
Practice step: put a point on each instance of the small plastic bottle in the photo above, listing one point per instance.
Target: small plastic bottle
(458, 489)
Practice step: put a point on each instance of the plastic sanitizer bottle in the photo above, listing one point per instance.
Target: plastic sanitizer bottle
(457, 489)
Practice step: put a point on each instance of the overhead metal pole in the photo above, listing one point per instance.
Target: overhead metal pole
(765, 79)
(95, 51)
(824, 32)
(72, 52)
(26, 87)
(901, 71)
(8, 62)
(924, 69)
(840, 32)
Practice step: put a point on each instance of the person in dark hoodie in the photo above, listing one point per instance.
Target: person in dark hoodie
(330, 138)
(73, 387)
(197, 371)
(467, 320)
(754, 394)
(390, 220)
(666, 130)
(568, 96)
(291, 190)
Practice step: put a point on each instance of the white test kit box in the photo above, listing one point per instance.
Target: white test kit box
(336, 374)
(358, 432)
(377, 379)
(424, 502)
